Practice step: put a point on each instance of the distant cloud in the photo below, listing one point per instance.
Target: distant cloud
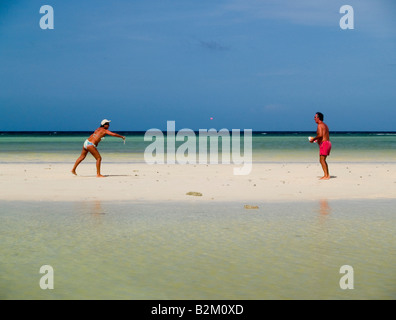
(307, 12)
(213, 45)
(373, 17)
(194, 43)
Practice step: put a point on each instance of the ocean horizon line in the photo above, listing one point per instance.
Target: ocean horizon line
(138, 132)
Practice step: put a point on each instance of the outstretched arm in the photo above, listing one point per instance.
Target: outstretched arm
(114, 134)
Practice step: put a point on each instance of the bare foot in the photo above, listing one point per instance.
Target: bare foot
(325, 178)
(100, 176)
(74, 172)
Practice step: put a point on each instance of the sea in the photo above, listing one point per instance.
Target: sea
(327, 250)
(265, 147)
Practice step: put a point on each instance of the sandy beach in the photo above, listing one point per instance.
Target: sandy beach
(217, 183)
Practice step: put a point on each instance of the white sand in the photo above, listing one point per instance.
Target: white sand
(157, 183)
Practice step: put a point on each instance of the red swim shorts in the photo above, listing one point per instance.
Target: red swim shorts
(324, 148)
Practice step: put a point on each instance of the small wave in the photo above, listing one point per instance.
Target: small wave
(385, 134)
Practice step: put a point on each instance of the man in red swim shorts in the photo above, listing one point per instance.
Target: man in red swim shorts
(323, 140)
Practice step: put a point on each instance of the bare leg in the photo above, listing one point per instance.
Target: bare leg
(325, 168)
(78, 161)
(98, 158)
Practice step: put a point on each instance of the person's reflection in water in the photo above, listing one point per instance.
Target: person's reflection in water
(96, 212)
(97, 209)
(324, 210)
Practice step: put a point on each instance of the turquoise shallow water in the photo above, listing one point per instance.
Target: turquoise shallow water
(272, 147)
(124, 250)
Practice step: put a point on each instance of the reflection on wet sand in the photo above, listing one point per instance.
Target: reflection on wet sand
(96, 208)
(92, 207)
(324, 208)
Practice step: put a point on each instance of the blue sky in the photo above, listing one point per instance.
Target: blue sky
(249, 64)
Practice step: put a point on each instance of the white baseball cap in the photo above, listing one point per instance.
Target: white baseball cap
(104, 121)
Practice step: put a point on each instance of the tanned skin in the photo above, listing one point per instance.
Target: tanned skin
(322, 134)
(95, 139)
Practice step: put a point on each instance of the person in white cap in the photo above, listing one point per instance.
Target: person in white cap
(91, 144)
